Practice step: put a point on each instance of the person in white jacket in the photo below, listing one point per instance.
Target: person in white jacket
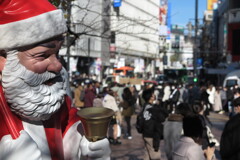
(166, 95)
(211, 91)
(36, 118)
(109, 101)
(189, 145)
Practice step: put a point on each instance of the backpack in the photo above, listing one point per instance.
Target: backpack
(140, 122)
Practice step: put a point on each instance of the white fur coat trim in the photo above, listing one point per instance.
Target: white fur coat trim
(37, 132)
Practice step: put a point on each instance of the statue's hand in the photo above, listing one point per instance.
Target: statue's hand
(21, 148)
(99, 150)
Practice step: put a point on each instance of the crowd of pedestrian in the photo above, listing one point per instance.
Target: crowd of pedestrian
(176, 114)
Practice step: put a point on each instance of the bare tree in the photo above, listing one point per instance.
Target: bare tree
(91, 18)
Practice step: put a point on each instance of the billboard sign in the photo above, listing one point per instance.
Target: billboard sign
(178, 29)
(163, 12)
(169, 23)
(199, 62)
(117, 3)
(211, 4)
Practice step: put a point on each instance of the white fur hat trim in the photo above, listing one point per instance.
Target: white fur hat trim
(32, 30)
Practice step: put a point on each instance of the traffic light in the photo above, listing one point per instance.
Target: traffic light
(195, 79)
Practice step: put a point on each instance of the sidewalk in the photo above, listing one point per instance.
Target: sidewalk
(134, 149)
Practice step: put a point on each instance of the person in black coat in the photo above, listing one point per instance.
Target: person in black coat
(154, 116)
(230, 141)
(198, 110)
(204, 99)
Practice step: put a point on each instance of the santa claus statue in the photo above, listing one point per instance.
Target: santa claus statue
(36, 118)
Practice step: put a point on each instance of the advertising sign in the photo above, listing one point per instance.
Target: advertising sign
(177, 29)
(211, 4)
(163, 12)
(169, 23)
(117, 3)
(199, 62)
(139, 65)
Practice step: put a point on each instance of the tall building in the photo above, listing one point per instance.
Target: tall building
(221, 32)
(88, 49)
(134, 34)
(234, 29)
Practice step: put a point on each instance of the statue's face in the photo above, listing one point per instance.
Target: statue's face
(33, 82)
(42, 58)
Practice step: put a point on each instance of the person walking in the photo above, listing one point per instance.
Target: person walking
(211, 91)
(194, 93)
(183, 97)
(110, 102)
(97, 102)
(223, 93)
(173, 98)
(189, 145)
(217, 106)
(230, 97)
(89, 95)
(230, 141)
(204, 99)
(173, 127)
(207, 136)
(79, 103)
(128, 110)
(153, 116)
(166, 95)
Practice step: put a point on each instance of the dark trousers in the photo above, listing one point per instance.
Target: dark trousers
(128, 122)
(172, 104)
(166, 105)
(225, 105)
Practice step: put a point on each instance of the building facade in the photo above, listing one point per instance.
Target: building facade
(105, 35)
(134, 35)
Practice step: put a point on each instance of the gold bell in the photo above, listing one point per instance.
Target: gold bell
(95, 122)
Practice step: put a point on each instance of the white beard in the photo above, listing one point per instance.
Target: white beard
(27, 95)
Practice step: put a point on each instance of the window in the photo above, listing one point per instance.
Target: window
(231, 83)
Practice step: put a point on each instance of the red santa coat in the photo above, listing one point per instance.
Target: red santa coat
(50, 133)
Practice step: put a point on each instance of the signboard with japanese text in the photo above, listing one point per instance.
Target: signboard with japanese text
(169, 23)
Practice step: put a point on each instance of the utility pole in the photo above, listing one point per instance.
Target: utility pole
(89, 43)
(195, 41)
(69, 8)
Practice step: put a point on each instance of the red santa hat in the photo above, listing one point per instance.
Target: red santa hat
(26, 22)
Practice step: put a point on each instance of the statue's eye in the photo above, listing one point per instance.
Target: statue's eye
(41, 56)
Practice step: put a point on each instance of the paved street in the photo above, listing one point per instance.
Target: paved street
(133, 149)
